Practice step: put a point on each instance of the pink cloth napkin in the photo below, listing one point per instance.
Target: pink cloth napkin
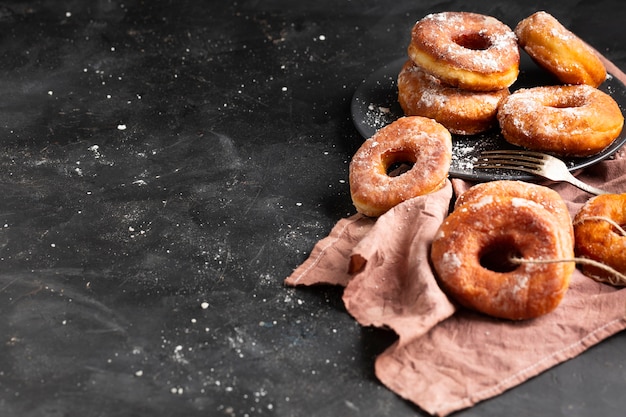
(447, 358)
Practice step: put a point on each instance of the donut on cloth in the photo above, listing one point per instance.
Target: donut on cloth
(420, 142)
(474, 250)
(599, 235)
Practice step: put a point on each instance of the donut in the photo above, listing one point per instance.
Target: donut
(462, 112)
(420, 142)
(559, 51)
(571, 120)
(546, 197)
(466, 50)
(597, 238)
(472, 250)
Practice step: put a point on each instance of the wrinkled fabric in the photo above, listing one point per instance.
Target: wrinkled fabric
(447, 358)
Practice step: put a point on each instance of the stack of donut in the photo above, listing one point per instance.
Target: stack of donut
(459, 69)
(462, 64)
(490, 253)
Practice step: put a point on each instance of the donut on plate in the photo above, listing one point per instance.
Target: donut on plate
(570, 120)
(598, 237)
(422, 143)
(466, 50)
(559, 51)
(472, 255)
(462, 112)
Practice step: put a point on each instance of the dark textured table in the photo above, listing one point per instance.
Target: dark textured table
(165, 165)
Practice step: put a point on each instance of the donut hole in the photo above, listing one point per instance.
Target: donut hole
(497, 256)
(475, 41)
(398, 162)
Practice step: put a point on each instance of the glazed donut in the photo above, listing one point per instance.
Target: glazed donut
(572, 120)
(466, 50)
(597, 239)
(559, 51)
(462, 112)
(546, 197)
(418, 141)
(471, 255)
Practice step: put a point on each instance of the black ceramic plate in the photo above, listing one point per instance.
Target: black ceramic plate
(375, 104)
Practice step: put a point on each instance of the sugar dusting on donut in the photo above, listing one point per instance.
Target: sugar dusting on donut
(421, 143)
(568, 120)
(451, 261)
(476, 244)
(461, 111)
(498, 42)
(467, 50)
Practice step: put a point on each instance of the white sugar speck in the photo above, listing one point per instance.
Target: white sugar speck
(121, 127)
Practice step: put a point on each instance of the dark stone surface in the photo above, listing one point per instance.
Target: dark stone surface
(165, 165)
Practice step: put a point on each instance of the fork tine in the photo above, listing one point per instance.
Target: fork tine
(505, 166)
(515, 152)
(536, 163)
(504, 163)
(517, 160)
(510, 159)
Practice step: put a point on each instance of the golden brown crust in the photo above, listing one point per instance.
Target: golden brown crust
(470, 256)
(559, 51)
(597, 239)
(462, 112)
(572, 120)
(466, 50)
(420, 141)
(546, 197)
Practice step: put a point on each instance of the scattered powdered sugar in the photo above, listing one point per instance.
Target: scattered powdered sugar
(523, 202)
(378, 116)
(463, 158)
(562, 35)
(521, 284)
(451, 261)
(486, 200)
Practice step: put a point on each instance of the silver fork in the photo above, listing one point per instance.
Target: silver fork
(536, 163)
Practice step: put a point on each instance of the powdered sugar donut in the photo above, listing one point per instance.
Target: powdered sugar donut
(571, 120)
(472, 255)
(547, 197)
(462, 112)
(466, 50)
(418, 141)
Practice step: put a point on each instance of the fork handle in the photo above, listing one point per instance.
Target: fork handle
(586, 187)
